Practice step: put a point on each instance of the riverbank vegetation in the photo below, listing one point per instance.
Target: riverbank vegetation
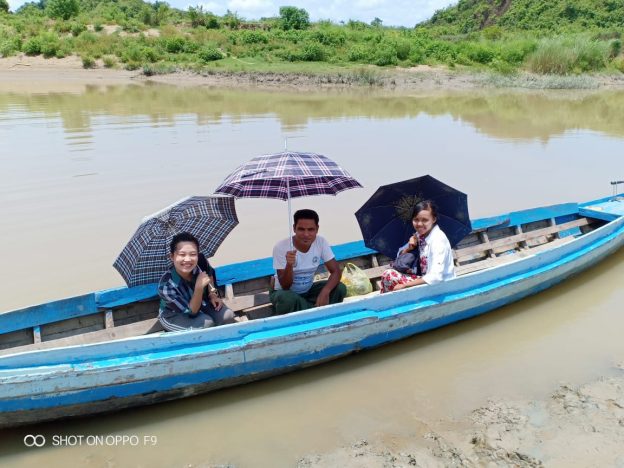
(551, 37)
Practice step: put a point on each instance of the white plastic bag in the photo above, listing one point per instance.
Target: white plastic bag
(355, 280)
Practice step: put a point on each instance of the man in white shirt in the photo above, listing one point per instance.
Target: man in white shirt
(295, 288)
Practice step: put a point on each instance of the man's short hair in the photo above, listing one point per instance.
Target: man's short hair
(183, 237)
(306, 214)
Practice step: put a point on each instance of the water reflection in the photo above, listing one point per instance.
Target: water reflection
(519, 116)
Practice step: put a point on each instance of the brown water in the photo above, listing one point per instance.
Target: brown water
(79, 171)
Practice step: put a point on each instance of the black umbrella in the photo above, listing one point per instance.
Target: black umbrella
(386, 218)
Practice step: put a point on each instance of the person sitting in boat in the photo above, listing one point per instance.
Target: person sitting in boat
(427, 257)
(188, 298)
(296, 260)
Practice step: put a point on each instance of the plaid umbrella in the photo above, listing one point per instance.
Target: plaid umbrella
(146, 257)
(287, 175)
(386, 218)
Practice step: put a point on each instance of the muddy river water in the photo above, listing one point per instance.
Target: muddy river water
(79, 170)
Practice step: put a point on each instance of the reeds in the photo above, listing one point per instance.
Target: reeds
(564, 56)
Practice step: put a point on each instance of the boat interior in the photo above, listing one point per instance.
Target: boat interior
(493, 242)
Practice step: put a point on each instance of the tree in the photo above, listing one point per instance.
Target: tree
(294, 18)
(376, 22)
(63, 9)
(4, 6)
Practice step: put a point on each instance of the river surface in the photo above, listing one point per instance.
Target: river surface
(79, 170)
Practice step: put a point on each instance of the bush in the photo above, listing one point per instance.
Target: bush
(330, 37)
(209, 54)
(133, 54)
(492, 33)
(359, 53)
(77, 28)
(62, 9)
(312, 52)
(294, 18)
(32, 46)
(158, 69)
(174, 45)
(4, 6)
(253, 37)
(151, 54)
(618, 63)
(385, 55)
(615, 47)
(478, 53)
(50, 44)
(88, 62)
(516, 52)
(9, 46)
(109, 61)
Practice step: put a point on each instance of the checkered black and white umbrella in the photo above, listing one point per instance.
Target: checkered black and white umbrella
(146, 256)
(287, 175)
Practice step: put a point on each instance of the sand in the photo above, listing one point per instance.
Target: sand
(23, 73)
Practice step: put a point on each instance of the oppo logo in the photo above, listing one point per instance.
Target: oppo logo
(34, 440)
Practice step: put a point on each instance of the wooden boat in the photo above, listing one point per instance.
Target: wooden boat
(105, 350)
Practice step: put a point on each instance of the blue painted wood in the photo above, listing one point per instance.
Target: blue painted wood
(134, 371)
(516, 218)
(116, 297)
(485, 223)
(49, 312)
(607, 209)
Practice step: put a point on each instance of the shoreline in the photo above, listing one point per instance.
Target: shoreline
(25, 73)
(576, 425)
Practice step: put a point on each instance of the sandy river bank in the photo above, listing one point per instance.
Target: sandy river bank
(23, 73)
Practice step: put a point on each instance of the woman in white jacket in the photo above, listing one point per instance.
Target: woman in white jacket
(433, 256)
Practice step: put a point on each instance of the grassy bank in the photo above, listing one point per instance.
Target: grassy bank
(158, 39)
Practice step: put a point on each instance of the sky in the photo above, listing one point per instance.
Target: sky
(391, 12)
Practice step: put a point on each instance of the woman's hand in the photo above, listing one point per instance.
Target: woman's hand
(216, 301)
(202, 281)
(399, 287)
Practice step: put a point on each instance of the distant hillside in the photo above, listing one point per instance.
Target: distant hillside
(548, 15)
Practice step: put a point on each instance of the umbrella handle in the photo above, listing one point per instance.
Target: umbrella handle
(289, 212)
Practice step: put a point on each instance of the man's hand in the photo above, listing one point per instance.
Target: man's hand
(291, 257)
(322, 299)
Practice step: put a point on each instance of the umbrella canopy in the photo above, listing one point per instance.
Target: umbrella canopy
(287, 175)
(146, 256)
(386, 218)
